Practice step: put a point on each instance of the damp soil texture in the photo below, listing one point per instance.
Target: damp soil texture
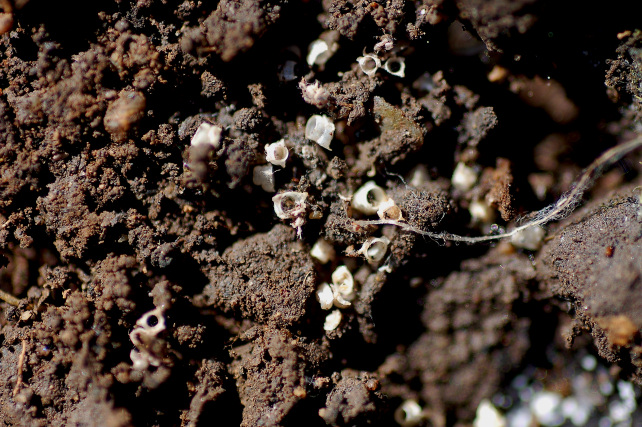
(163, 264)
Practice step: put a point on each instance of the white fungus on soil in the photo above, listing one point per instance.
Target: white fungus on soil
(291, 205)
(368, 198)
(343, 283)
(320, 129)
(314, 93)
(395, 66)
(277, 153)
(389, 210)
(488, 416)
(147, 328)
(369, 64)
(319, 52)
(207, 134)
(409, 414)
(374, 249)
(325, 296)
(530, 238)
(323, 251)
(332, 320)
(481, 212)
(464, 177)
(263, 175)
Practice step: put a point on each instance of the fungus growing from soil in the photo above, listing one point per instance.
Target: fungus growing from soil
(291, 205)
(314, 93)
(343, 285)
(320, 129)
(530, 238)
(395, 66)
(481, 212)
(389, 210)
(369, 64)
(277, 153)
(333, 320)
(207, 134)
(263, 175)
(322, 251)
(368, 198)
(325, 296)
(409, 413)
(374, 249)
(319, 52)
(464, 177)
(144, 337)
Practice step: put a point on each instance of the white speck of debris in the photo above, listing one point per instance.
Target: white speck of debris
(530, 238)
(588, 362)
(318, 53)
(322, 251)
(389, 210)
(263, 176)
(325, 296)
(332, 320)
(320, 129)
(409, 414)
(277, 153)
(368, 198)
(374, 249)
(395, 66)
(488, 416)
(207, 134)
(464, 177)
(369, 64)
(545, 406)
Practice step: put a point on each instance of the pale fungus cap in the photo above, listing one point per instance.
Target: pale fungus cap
(481, 212)
(153, 322)
(319, 52)
(464, 177)
(320, 129)
(368, 198)
(277, 153)
(325, 296)
(343, 283)
(488, 416)
(530, 238)
(207, 134)
(322, 251)
(263, 175)
(369, 64)
(409, 414)
(290, 204)
(395, 66)
(375, 248)
(148, 326)
(333, 320)
(389, 210)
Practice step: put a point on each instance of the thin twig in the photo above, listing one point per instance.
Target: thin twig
(560, 209)
(21, 361)
(8, 298)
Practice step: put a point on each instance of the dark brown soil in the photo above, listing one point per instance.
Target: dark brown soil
(148, 281)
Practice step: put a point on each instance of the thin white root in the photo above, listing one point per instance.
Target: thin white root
(558, 210)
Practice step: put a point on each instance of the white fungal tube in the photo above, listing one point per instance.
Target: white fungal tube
(263, 175)
(396, 66)
(322, 251)
(325, 296)
(375, 248)
(277, 153)
(207, 134)
(369, 64)
(464, 177)
(368, 198)
(333, 320)
(289, 204)
(343, 283)
(409, 414)
(320, 129)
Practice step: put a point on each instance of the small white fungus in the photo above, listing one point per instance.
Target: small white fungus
(291, 205)
(375, 248)
(344, 282)
(369, 64)
(332, 320)
(314, 94)
(207, 134)
(530, 238)
(319, 52)
(395, 66)
(153, 322)
(325, 296)
(545, 406)
(409, 414)
(263, 176)
(464, 177)
(481, 212)
(277, 153)
(368, 198)
(389, 210)
(488, 416)
(320, 129)
(322, 251)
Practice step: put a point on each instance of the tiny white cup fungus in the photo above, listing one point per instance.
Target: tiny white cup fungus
(488, 416)
(389, 210)
(277, 153)
(314, 94)
(153, 322)
(339, 300)
(325, 296)
(290, 204)
(481, 212)
(263, 176)
(319, 52)
(207, 134)
(464, 177)
(396, 66)
(409, 414)
(332, 320)
(322, 251)
(343, 282)
(375, 248)
(368, 198)
(530, 238)
(320, 129)
(369, 64)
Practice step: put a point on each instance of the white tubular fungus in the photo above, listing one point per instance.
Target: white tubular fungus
(277, 153)
(207, 134)
(464, 177)
(264, 176)
(320, 129)
(343, 283)
(322, 251)
(488, 416)
(375, 248)
(325, 296)
(332, 320)
(530, 238)
(481, 212)
(368, 198)
(396, 66)
(148, 326)
(389, 210)
(369, 64)
(314, 94)
(291, 205)
(319, 52)
(409, 414)
(153, 322)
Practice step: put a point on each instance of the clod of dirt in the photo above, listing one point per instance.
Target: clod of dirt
(594, 262)
(352, 402)
(268, 277)
(124, 113)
